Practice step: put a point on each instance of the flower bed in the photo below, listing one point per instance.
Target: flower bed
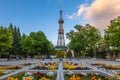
(105, 66)
(5, 72)
(98, 64)
(111, 67)
(33, 76)
(13, 67)
(46, 66)
(117, 75)
(74, 66)
(86, 77)
(2, 72)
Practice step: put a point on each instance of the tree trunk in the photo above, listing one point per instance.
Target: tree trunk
(0, 52)
(114, 56)
(118, 55)
(94, 50)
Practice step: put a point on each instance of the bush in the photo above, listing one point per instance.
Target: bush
(60, 53)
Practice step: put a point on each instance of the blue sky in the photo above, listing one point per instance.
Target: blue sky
(35, 15)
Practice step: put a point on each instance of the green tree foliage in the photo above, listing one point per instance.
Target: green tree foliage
(16, 45)
(36, 44)
(82, 39)
(102, 48)
(112, 34)
(76, 38)
(26, 44)
(5, 39)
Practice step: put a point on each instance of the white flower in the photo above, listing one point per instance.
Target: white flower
(97, 73)
(28, 74)
(83, 73)
(114, 72)
(70, 72)
(50, 73)
(32, 65)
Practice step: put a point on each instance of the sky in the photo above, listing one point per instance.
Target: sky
(36, 15)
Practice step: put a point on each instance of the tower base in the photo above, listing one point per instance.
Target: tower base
(61, 48)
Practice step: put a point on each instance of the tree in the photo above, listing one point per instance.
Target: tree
(5, 39)
(76, 37)
(16, 46)
(26, 44)
(83, 39)
(112, 35)
(102, 48)
(93, 36)
(16, 41)
(36, 44)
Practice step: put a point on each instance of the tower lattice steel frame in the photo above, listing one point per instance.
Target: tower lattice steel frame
(60, 40)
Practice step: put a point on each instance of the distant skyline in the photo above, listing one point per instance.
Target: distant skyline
(35, 15)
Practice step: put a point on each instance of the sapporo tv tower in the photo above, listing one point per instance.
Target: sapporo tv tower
(61, 40)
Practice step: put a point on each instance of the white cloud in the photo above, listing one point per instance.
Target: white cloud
(71, 16)
(81, 10)
(100, 12)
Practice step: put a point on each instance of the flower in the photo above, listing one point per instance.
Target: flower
(36, 67)
(83, 73)
(117, 75)
(99, 79)
(50, 73)
(11, 78)
(78, 78)
(75, 77)
(73, 66)
(70, 72)
(93, 78)
(26, 63)
(1, 71)
(43, 78)
(39, 74)
(47, 66)
(27, 78)
(28, 74)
